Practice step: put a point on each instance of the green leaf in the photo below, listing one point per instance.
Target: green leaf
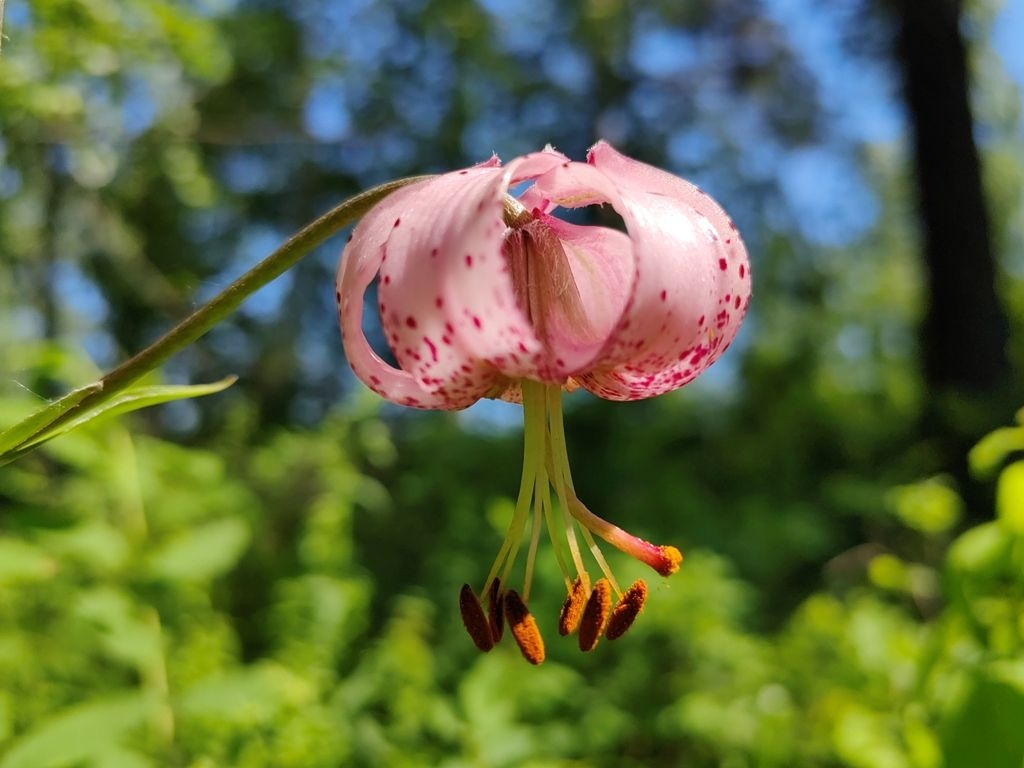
(201, 553)
(35, 430)
(985, 457)
(1010, 498)
(119, 757)
(21, 561)
(94, 542)
(930, 507)
(125, 634)
(253, 695)
(981, 551)
(25, 429)
(986, 730)
(83, 732)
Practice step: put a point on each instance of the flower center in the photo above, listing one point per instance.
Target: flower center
(542, 278)
(571, 528)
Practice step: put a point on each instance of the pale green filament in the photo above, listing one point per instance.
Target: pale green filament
(549, 518)
(546, 465)
(540, 491)
(534, 427)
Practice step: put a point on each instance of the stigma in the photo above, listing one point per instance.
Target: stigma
(591, 610)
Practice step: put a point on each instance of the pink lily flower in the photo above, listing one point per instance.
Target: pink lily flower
(485, 295)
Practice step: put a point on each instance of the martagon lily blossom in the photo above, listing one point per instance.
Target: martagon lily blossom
(482, 294)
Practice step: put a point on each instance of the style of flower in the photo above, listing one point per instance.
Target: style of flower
(482, 294)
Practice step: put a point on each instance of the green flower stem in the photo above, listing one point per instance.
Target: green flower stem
(226, 302)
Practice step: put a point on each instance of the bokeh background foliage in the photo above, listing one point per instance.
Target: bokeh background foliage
(267, 577)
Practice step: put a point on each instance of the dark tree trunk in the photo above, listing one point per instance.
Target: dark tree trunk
(965, 332)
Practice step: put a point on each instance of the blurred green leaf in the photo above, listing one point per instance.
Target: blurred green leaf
(866, 739)
(81, 733)
(986, 729)
(126, 635)
(1010, 498)
(94, 542)
(888, 572)
(201, 553)
(250, 696)
(119, 757)
(930, 507)
(986, 456)
(21, 561)
(980, 551)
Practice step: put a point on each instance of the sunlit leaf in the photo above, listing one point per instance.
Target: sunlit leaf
(1010, 498)
(94, 542)
(930, 507)
(985, 458)
(253, 695)
(126, 635)
(21, 561)
(981, 551)
(119, 757)
(203, 552)
(81, 733)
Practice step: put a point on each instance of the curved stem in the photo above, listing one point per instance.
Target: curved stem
(227, 301)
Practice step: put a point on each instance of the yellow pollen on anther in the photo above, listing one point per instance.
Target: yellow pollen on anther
(595, 615)
(474, 620)
(523, 627)
(626, 610)
(572, 608)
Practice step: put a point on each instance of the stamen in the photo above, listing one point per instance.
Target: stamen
(495, 614)
(572, 608)
(474, 620)
(595, 614)
(523, 627)
(626, 610)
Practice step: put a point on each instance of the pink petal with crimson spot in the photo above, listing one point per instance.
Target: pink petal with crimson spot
(688, 258)
(363, 257)
(450, 311)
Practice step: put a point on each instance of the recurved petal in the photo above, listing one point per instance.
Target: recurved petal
(446, 299)
(691, 283)
(361, 260)
(446, 305)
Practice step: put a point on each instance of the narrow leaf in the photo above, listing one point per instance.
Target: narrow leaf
(130, 400)
(18, 434)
